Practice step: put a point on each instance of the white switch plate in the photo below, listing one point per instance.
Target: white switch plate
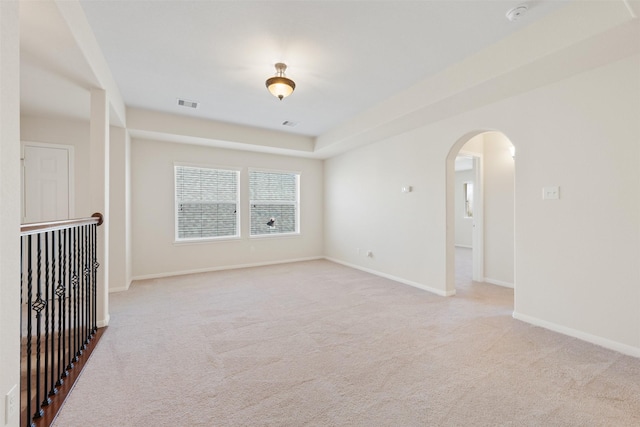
(550, 193)
(11, 404)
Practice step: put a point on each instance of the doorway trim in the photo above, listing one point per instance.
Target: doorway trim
(477, 235)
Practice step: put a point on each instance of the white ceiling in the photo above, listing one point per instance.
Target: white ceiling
(345, 56)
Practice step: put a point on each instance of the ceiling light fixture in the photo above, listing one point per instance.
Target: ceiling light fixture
(280, 86)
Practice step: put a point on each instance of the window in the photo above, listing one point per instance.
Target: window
(274, 201)
(207, 203)
(467, 188)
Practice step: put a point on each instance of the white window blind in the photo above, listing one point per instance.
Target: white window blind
(274, 201)
(206, 203)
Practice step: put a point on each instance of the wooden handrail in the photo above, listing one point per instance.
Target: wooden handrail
(36, 227)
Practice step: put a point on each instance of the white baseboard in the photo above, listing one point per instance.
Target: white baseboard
(227, 267)
(498, 282)
(463, 246)
(593, 339)
(120, 289)
(233, 267)
(104, 322)
(395, 278)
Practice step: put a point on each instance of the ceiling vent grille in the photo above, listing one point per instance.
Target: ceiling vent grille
(188, 104)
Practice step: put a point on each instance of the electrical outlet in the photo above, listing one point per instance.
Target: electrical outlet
(369, 254)
(550, 193)
(11, 404)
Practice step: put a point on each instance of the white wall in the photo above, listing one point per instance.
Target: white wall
(365, 209)
(119, 210)
(464, 224)
(152, 178)
(577, 257)
(498, 179)
(9, 205)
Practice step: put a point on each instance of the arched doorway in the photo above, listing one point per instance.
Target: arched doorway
(492, 213)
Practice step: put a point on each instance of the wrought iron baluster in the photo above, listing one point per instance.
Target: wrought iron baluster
(73, 280)
(22, 268)
(96, 264)
(81, 267)
(79, 294)
(29, 322)
(90, 282)
(38, 305)
(60, 292)
(76, 291)
(91, 260)
(85, 288)
(67, 300)
(45, 366)
(52, 286)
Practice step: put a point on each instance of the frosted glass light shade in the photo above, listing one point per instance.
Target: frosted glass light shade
(280, 86)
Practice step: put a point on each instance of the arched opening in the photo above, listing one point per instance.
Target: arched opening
(480, 201)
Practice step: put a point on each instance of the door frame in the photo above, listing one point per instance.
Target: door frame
(70, 171)
(477, 235)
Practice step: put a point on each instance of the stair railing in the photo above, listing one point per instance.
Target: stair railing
(58, 306)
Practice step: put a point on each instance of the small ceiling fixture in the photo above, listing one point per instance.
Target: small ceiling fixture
(515, 13)
(280, 86)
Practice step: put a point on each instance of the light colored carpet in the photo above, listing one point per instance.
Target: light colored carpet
(320, 344)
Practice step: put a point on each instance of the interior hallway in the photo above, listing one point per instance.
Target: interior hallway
(467, 288)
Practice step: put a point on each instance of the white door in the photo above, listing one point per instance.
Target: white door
(45, 187)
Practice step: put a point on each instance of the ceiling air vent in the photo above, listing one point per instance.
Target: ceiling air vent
(188, 104)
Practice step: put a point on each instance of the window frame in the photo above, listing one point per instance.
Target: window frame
(176, 202)
(467, 196)
(296, 204)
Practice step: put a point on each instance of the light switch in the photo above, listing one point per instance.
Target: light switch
(550, 193)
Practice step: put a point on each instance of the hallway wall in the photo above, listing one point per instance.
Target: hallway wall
(581, 134)
(498, 176)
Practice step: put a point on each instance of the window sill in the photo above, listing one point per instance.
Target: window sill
(274, 236)
(205, 240)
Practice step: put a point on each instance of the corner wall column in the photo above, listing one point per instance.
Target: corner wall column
(9, 206)
(99, 166)
(120, 208)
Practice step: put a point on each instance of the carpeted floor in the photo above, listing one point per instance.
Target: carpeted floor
(320, 344)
